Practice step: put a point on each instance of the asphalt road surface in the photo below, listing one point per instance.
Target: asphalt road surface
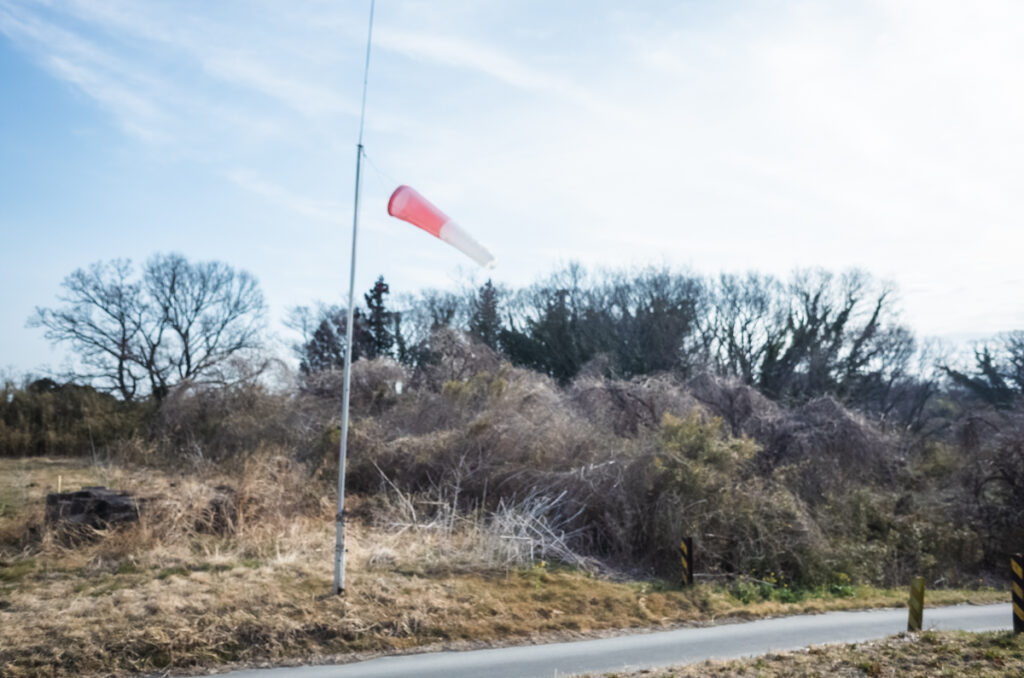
(662, 648)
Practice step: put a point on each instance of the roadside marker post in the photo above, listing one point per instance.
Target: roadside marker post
(1017, 565)
(916, 604)
(686, 560)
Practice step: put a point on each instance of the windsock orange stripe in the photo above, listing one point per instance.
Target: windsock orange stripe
(408, 205)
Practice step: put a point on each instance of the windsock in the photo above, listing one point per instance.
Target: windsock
(408, 205)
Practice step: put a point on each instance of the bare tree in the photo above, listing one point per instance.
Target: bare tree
(998, 377)
(839, 332)
(101, 320)
(745, 318)
(181, 321)
(199, 316)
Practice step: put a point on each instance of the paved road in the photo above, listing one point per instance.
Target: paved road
(663, 648)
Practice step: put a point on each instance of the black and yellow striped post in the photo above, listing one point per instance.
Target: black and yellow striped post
(686, 560)
(916, 604)
(1017, 565)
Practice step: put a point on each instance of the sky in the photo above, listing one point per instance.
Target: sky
(708, 136)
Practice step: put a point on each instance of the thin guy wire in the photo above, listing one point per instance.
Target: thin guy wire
(366, 74)
(381, 174)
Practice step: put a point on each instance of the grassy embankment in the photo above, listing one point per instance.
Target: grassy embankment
(172, 593)
(925, 655)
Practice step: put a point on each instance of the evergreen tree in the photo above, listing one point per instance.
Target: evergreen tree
(325, 349)
(557, 332)
(552, 343)
(379, 321)
(484, 325)
(402, 353)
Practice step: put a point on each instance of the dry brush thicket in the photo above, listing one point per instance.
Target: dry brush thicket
(486, 502)
(601, 474)
(624, 469)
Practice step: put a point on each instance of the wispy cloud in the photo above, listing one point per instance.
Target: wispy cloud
(322, 211)
(307, 98)
(467, 55)
(472, 56)
(161, 74)
(138, 114)
(126, 92)
(318, 210)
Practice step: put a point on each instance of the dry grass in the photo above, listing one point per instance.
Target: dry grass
(181, 591)
(26, 481)
(926, 655)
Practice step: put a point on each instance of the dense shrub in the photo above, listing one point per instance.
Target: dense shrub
(992, 498)
(43, 417)
(230, 423)
(628, 468)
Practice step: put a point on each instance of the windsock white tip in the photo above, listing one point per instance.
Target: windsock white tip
(453, 234)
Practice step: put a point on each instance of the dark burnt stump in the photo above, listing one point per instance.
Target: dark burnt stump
(95, 507)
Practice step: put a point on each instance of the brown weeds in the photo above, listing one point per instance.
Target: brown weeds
(180, 590)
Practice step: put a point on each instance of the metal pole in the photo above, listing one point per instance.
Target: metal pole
(339, 519)
(1017, 585)
(686, 560)
(915, 606)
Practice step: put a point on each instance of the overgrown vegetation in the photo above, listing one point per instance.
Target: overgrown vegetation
(618, 471)
(576, 429)
(779, 423)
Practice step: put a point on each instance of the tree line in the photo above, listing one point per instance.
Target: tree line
(140, 333)
(815, 333)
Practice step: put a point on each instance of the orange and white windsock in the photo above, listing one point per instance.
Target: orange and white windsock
(408, 205)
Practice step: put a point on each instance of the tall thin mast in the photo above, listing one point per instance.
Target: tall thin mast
(339, 520)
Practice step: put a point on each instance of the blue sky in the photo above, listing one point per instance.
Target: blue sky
(714, 136)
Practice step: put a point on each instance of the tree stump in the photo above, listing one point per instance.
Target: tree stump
(95, 507)
(221, 514)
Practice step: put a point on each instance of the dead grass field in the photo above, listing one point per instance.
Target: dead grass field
(926, 655)
(170, 594)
